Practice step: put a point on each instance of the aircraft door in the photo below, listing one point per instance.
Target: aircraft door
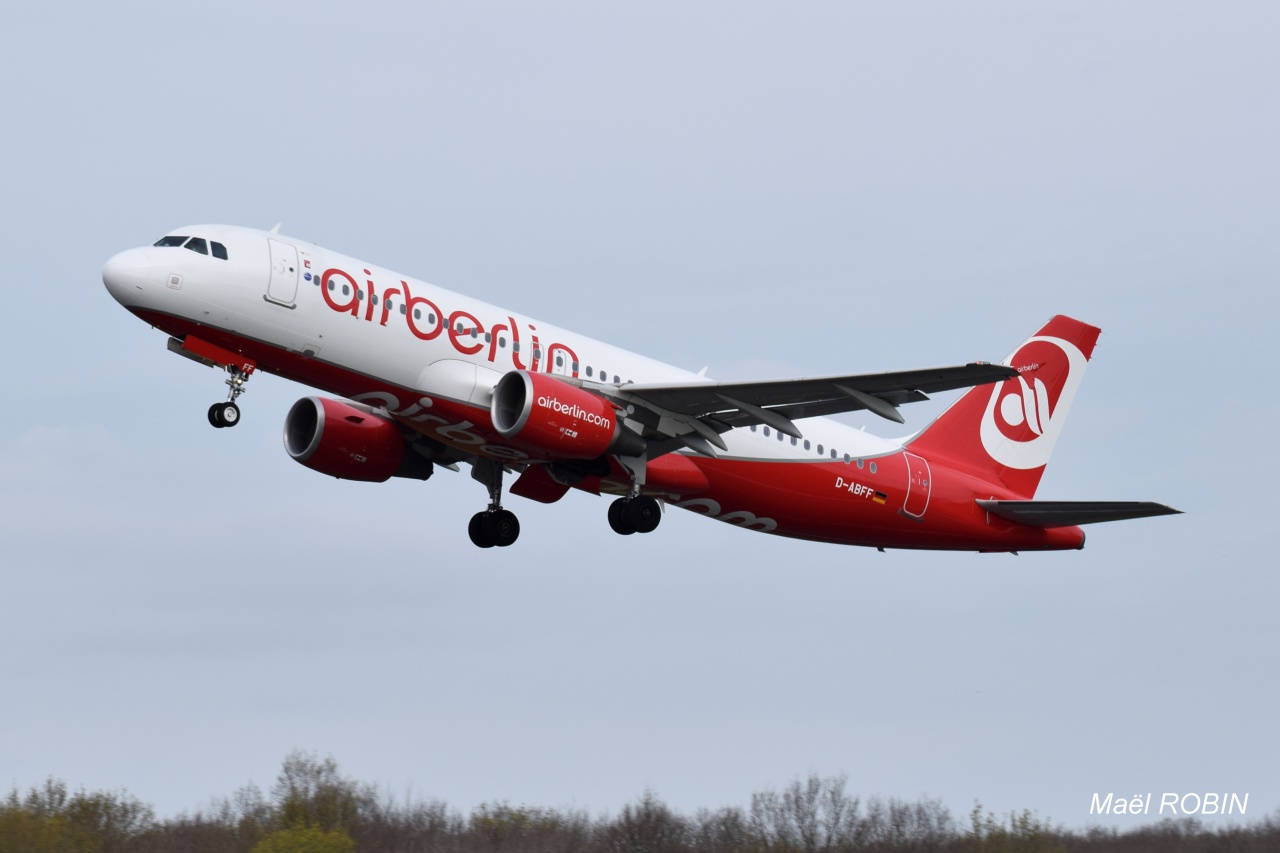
(560, 361)
(282, 289)
(917, 486)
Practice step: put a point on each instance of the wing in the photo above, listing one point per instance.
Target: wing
(695, 413)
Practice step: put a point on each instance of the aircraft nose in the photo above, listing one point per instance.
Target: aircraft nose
(127, 274)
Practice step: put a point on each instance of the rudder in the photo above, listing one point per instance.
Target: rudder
(1006, 432)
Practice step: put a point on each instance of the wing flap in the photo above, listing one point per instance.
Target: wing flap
(1073, 513)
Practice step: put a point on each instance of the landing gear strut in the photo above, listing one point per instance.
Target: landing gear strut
(495, 526)
(227, 414)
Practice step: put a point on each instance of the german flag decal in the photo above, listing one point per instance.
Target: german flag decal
(879, 497)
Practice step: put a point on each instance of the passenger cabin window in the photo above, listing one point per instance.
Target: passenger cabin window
(197, 244)
(172, 240)
(219, 250)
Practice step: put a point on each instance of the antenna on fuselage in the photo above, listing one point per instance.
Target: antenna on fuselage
(276, 229)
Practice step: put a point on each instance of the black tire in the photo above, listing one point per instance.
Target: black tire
(479, 531)
(503, 527)
(617, 518)
(643, 514)
(214, 419)
(228, 414)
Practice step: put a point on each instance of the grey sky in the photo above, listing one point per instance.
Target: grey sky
(764, 189)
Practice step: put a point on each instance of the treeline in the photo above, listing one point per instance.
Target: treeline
(315, 809)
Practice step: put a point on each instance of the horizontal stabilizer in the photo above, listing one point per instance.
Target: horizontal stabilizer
(1072, 513)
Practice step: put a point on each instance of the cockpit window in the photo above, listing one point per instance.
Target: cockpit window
(195, 244)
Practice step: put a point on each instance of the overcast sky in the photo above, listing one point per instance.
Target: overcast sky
(769, 190)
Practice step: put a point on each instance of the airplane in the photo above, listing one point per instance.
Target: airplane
(429, 377)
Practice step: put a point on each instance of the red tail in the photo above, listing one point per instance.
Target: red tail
(1004, 433)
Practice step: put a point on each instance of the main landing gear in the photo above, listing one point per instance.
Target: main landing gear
(495, 526)
(634, 514)
(227, 414)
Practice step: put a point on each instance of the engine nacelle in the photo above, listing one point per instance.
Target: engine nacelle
(544, 414)
(354, 444)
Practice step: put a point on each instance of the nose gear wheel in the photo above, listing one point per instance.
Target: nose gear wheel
(224, 415)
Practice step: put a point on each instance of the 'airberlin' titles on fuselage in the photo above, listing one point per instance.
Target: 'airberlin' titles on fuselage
(463, 329)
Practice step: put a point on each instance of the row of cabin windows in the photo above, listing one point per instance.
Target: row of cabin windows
(195, 244)
(462, 330)
(795, 442)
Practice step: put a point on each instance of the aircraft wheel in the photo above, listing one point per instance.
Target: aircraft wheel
(617, 518)
(224, 414)
(503, 527)
(479, 531)
(643, 514)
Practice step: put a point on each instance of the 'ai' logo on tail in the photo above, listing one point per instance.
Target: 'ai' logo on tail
(1030, 407)
(1025, 414)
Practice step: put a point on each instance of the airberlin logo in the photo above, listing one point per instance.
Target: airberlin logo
(574, 411)
(428, 321)
(1027, 408)
(1026, 413)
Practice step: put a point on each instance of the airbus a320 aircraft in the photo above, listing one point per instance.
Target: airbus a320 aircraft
(435, 378)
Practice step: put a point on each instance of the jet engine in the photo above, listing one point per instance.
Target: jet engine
(351, 443)
(542, 413)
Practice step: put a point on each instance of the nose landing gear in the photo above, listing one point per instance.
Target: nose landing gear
(227, 414)
(239, 366)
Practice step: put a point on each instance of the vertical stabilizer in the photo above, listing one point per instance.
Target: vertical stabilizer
(1006, 432)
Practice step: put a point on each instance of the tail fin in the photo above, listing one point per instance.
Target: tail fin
(1005, 433)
